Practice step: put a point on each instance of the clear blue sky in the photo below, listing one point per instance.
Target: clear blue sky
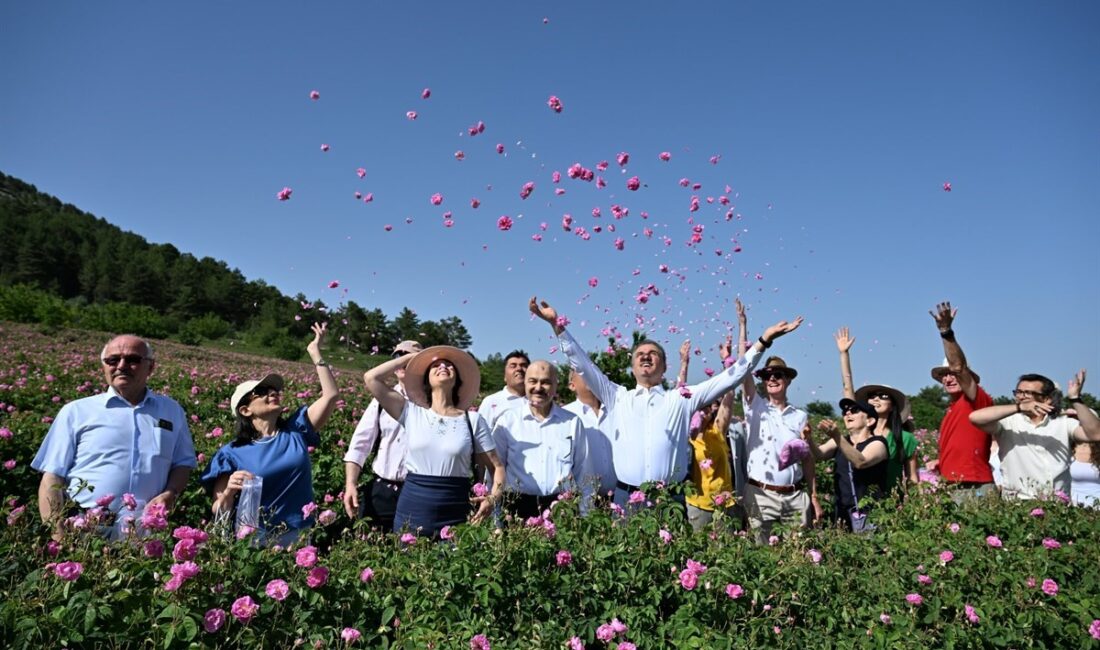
(837, 126)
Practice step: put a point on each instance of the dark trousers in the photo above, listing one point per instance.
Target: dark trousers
(524, 506)
(380, 503)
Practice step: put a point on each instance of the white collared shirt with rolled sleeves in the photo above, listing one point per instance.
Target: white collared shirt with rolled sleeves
(389, 462)
(768, 429)
(598, 433)
(499, 403)
(651, 426)
(541, 457)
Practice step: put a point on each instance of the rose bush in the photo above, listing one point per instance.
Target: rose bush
(928, 575)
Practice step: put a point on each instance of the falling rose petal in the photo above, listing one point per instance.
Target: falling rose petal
(536, 237)
(696, 186)
(436, 199)
(648, 232)
(369, 197)
(543, 226)
(555, 177)
(684, 182)
(623, 158)
(597, 228)
(387, 227)
(663, 268)
(474, 203)
(447, 223)
(361, 173)
(426, 93)
(411, 115)
(314, 95)
(665, 156)
(504, 223)
(526, 190)
(559, 191)
(633, 184)
(714, 159)
(358, 195)
(324, 147)
(284, 194)
(567, 222)
(460, 155)
(759, 276)
(546, 21)
(602, 166)
(596, 212)
(600, 182)
(554, 103)
(408, 220)
(500, 148)
(947, 187)
(619, 243)
(593, 281)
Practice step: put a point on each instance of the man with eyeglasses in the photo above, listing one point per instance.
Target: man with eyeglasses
(1035, 438)
(127, 440)
(963, 461)
(651, 425)
(384, 437)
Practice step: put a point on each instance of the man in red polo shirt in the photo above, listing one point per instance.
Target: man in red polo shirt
(964, 448)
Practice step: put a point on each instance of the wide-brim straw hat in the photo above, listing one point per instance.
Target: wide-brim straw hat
(901, 402)
(777, 364)
(464, 363)
(939, 371)
(243, 389)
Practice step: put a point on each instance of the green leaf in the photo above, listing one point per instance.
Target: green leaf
(189, 628)
(387, 616)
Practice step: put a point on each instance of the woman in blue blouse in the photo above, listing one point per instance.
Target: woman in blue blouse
(273, 444)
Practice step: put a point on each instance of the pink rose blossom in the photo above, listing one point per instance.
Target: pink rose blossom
(994, 541)
(105, 500)
(350, 635)
(885, 618)
(185, 550)
(1050, 542)
(526, 190)
(244, 608)
(324, 147)
(633, 183)
(575, 643)
(446, 533)
(5, 433)
(946, 557)
(924, 579)
(68, 571)
(308, 510)
(1094, 629)
(408, 538)
(666, 537)
(317, 577)
(426, 93)
(1038, 512)
(412, 115)
(627, 645)
(326, 517)
(688, 579)
(605, 633)
(213, 620)
(563, 558)
(914, 599)
(480, 489)
(637, 496)
(1050, 587)
(306, 557)
(814, 555)
(366, 575)
(697, 568)
(480, 642)
(436, 199)
(277, 589)
(623, 158)
(734, 591)
(947, 187)
(971, 614)
(954, 528)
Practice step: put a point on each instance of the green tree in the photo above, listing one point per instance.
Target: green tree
(820, 408)
(928, 406)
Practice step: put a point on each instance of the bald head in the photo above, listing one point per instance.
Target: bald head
(127, 364)
(541, 386)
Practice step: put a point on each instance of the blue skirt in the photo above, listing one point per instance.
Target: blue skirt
(428, 503)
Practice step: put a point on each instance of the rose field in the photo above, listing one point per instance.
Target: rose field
(933, 574)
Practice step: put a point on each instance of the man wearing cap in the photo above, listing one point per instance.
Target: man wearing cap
(651, 425)
(598, 433)
(541, 445)
(127, 440)
(1034, 438)
(380, 434)
(963, 461)
(511, 396)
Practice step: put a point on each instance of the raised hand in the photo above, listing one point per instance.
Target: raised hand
(741, 318)
(1076, 384)
(829, 428)
(544, 311)
(944, 316)
(781, 328)
(685, 351)
(314, 347)
(1034, 409)
(725, 348)
(843, 340)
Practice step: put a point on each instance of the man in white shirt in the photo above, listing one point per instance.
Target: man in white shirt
(379, 434)
(541, 445)
(1033, 439)
(651, 425)
(597, 433)
(511, 396)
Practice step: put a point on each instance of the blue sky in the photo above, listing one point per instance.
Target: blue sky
(836, 127)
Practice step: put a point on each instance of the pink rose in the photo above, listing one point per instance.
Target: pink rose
(317, 577)
(326, 517)
(666, 537)
(1050, 587)
(971, 614)
(350, 634)
(563, 558)
(244, 608)
(734, 591)
(366, 575)
(284, 194)
(633, 184)
(914, 599)
(68, 571)
(504, 223)
(213, 620)
(994, 541)
(277, 590)
(314, 95)
(480, 489)
(105, 500)
(185, 550)
(946, 557)
(306, 556)
(1051, 543)
(526, 190)
(408, 538)
(446, 533)
(479, 642)
(411, 115)
(688, 579)
(814, 555)
(665, 156)
(605, 633)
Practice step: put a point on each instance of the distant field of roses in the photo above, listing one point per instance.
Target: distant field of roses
(933, 575)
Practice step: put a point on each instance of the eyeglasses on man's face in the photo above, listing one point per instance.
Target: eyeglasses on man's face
(130, 359)
(1027, 394)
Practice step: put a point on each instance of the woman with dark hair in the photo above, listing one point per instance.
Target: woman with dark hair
(273, 444)
(1084, 473)
(445, 440)
(893, 424)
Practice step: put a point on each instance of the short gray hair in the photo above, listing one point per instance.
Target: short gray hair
(149, 354)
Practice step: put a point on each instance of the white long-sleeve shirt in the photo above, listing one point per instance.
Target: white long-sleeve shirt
(651, 426)
(541, 457)
(597, 432)
(389, 462)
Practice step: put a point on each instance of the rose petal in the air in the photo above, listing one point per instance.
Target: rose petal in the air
(436, 199)
(314, 95)
(665, 156)
(411, 115)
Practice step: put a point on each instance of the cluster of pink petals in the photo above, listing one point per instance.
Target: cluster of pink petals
(479, 642)
(349, 634)
(554, 103)
(244, 608)
(504, 223)
(477, 128)
(284, 194)
(563, 558)
(68, 571)
(526, 190)
(576, 171)
(306, 557)
(633, 183)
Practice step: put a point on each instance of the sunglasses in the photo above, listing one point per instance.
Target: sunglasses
(400, 353)
(263, 391)
(849, 410)
(130, 359)
(881, 396)
(771, 374)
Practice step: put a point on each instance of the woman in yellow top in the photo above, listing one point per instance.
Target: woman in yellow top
(710, 472)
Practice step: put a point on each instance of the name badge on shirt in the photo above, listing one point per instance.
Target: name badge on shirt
(164, 424)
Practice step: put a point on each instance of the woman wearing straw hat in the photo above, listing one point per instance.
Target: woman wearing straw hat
(445, 440)
(275, 446)
(894, 424)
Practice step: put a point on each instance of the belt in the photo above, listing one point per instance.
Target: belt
(626, 487)
(393, 484)
(781, 489)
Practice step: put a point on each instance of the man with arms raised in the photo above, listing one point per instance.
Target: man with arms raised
(541, 445)
(127, 440)
(651, 425)
(963, 461)
(1034, 439)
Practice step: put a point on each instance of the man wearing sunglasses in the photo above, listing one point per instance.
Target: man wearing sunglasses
(1034, 438)
(963, 461)
(127, 440)
(383, 437)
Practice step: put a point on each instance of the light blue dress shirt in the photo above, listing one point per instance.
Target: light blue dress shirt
(541, 457)
(651, 426)
(116, 447)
